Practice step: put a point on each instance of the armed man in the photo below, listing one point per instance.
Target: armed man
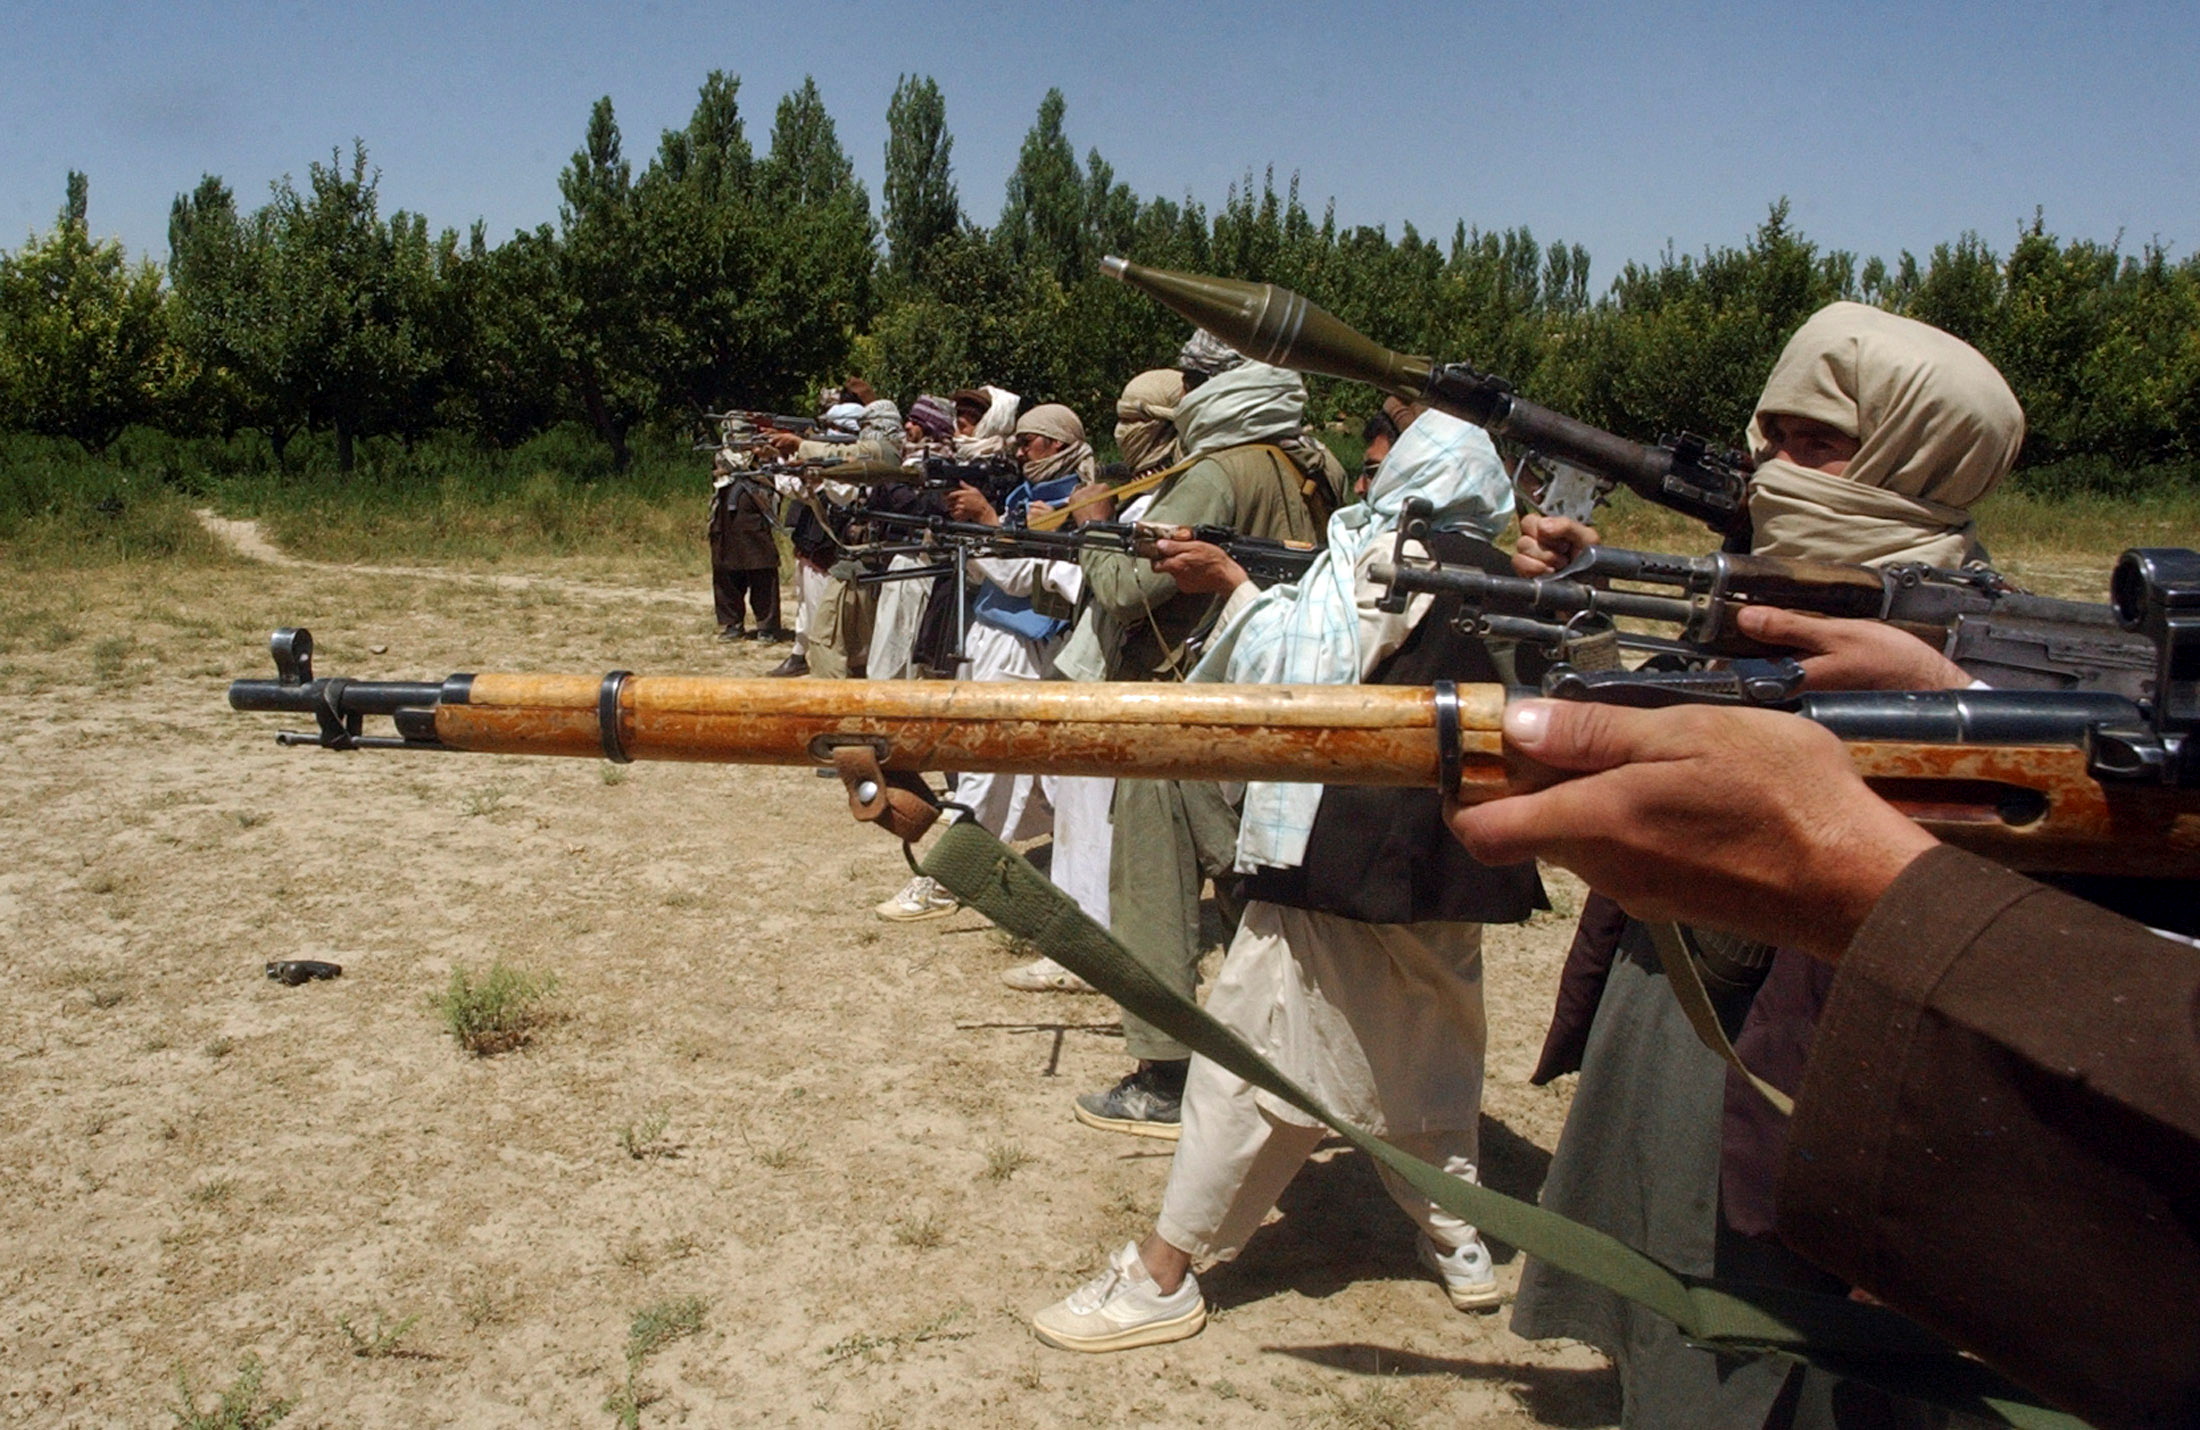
(1237, 428)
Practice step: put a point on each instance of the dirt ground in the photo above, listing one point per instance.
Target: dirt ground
(846, 1138)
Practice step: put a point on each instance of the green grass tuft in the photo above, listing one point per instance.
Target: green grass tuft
(496, 1011)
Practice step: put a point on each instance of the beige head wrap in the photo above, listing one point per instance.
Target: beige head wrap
(994, 429)
(1250, 403)
(1145, 419)
(1052, 419)
(1936, 428)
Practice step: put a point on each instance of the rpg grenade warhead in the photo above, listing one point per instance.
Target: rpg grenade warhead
(1275, 325)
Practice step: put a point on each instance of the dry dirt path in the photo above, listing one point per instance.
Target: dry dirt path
(246, 539)
(843, 1140)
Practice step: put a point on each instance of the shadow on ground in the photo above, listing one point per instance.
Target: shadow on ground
(1552, 1394)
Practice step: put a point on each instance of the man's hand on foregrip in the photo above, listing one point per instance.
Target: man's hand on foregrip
(1852, 655)
(1749, 821)
(1547, 543)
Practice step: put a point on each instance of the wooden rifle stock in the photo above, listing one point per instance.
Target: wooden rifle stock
(2031, 805)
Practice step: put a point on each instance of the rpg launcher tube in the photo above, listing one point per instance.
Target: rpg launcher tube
(1275, 325)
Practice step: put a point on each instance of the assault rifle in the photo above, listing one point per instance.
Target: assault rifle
(2046, 781)
(2008, 638)
(1687, 473)
(1266, 561)
(763, 421)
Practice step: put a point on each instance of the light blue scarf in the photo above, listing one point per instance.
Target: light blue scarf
(1309, 633)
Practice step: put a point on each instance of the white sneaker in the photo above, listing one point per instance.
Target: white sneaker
(1121, 1308)
(1469, 1277)
(1044, 975)
(921, 898)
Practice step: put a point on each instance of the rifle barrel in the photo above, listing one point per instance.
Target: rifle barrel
(2001, 773)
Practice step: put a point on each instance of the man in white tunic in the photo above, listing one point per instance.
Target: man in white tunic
(1356, 969)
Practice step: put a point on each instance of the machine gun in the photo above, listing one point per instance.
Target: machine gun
(1687, 473)
(2008, 638)
(2044, 781)
(1267, 562)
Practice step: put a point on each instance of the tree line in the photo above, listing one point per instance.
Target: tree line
(719, 276)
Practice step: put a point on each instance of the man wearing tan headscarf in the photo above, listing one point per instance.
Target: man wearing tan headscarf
(1873, 436)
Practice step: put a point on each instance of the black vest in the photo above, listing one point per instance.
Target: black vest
(1383, 855)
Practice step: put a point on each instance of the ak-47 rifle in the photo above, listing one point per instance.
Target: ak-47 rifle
(1267, 562)
(2045, 781)
(1687, 473)
(2008, 638)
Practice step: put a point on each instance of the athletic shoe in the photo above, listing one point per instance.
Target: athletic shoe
(792, 665)
(1121, 1308)
(1468, 1276)
(729, 633)
(1044, 975)
(920, 898)
(1146, 1103)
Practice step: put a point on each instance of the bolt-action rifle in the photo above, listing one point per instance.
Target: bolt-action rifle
(2008, 638)
(1687, 473)
(2044, 781)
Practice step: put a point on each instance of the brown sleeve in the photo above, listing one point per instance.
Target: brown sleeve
(1999, 1133)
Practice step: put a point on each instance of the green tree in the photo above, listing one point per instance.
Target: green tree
(84, 344)
(359, 310)
(920, 204)
(1043, 221)
(600, 334)
(819, 251)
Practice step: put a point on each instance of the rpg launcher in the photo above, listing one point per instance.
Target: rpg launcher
(2044, 781)
(1267, 562)
(1275, 325)
(2007, 638)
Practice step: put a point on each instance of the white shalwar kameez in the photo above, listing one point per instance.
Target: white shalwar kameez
(1013, 807)
(1383, 1023)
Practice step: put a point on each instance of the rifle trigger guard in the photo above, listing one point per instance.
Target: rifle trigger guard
(1448, 753)
(607, 717)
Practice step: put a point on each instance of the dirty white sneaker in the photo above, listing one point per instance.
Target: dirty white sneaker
(921, 898)
(1044, 975)
(1469, 1277)
(1121, 1308)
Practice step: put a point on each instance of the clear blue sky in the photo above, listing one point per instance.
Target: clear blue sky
(1889, 126)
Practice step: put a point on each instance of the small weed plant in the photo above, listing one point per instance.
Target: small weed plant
(245, 1405)
(496, 1011)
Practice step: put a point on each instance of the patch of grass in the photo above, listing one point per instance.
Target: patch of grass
(1004, 1160)
(213, 1191)
(109, 997)
(245, 1405)
(497, 1011)
(483, 800)
(645, 1140)
(111, 659)
(248, 818)
(612, 774)
(850, 1347)
(652, 1329)
(385, 1340)
(218, 1047)
(922, 1233)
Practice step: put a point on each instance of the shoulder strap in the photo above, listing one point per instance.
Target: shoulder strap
(1868, 1343)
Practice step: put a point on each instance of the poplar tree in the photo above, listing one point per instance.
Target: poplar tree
(921, 206)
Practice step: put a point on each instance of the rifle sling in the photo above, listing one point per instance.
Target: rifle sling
(1867, 1343)
(1686, 980)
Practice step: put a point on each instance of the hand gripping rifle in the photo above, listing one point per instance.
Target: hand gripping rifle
(1275, 325)
(2005, 637)
(2044, 781)
(1267, 562)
